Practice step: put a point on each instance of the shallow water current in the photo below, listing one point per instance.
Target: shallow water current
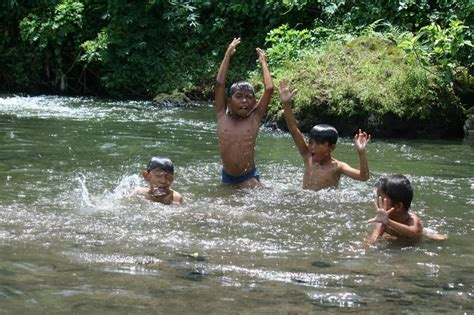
(73, 241)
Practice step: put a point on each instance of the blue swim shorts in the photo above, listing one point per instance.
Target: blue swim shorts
(229, 179)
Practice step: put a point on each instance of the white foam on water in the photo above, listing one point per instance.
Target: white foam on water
(108, 200)
(78, 109)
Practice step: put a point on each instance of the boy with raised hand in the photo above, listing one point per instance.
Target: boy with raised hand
(321, 170)
(238, 121)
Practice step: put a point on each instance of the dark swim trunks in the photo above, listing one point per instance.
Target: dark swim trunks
(229, 179)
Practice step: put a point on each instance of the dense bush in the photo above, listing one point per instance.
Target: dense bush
(126, 48)
(364, 78)
(139, 48)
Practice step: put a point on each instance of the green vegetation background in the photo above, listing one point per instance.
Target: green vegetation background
(398, 68)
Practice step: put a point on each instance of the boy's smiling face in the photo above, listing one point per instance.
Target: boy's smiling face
(242, 102)
(159, 181)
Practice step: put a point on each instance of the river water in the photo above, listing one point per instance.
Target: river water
(73, 241)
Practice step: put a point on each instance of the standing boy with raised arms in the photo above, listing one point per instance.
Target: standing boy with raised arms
(238, 121)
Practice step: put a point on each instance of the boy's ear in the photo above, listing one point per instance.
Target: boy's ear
(332, 147)
(398, 205)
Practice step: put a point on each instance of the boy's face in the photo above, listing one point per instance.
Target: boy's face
(159, 181)
(242, 102)
(320, 150)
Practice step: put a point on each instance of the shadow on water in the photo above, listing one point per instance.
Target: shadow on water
(73, 239)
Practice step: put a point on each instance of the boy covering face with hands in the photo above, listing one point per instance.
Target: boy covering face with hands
(394, 196)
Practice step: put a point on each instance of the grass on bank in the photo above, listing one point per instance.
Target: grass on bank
(369, 76)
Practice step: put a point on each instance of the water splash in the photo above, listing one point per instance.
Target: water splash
(85, 200)
(108, 200)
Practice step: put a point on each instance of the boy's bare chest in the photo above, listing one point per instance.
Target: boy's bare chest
(321, 175)
(237, 129)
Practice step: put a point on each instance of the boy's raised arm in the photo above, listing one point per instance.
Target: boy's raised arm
(361, 139)
(220, 97)
(262, 105)
(286, 95)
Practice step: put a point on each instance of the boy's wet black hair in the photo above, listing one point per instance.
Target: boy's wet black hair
(161, 163)
(323, 133)
(397, 188)
(242, 86)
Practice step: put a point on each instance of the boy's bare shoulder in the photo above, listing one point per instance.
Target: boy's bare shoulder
(415, 220)
(339, 162)
(414, 216)
(177, 197)
(340, 165)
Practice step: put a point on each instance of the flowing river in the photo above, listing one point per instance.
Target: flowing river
(72, 240)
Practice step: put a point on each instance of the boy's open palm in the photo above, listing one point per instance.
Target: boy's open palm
(231, 49)
(262, 57)
(285, 94)
(361, 139)
(382, 211)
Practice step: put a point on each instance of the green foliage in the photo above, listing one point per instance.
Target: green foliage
(156, 46)
(447, 48)
(446, 45)
(143, 47)
(368, 76)
(52, 27)
(411, 14)
(52, 33)
(286, 44)
(94, 50)
(18, 64)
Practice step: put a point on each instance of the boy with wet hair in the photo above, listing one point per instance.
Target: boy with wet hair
(242, 86)
(394, 196)
(159, 175)
(321, 170)
(324, 133)
(238, 121)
